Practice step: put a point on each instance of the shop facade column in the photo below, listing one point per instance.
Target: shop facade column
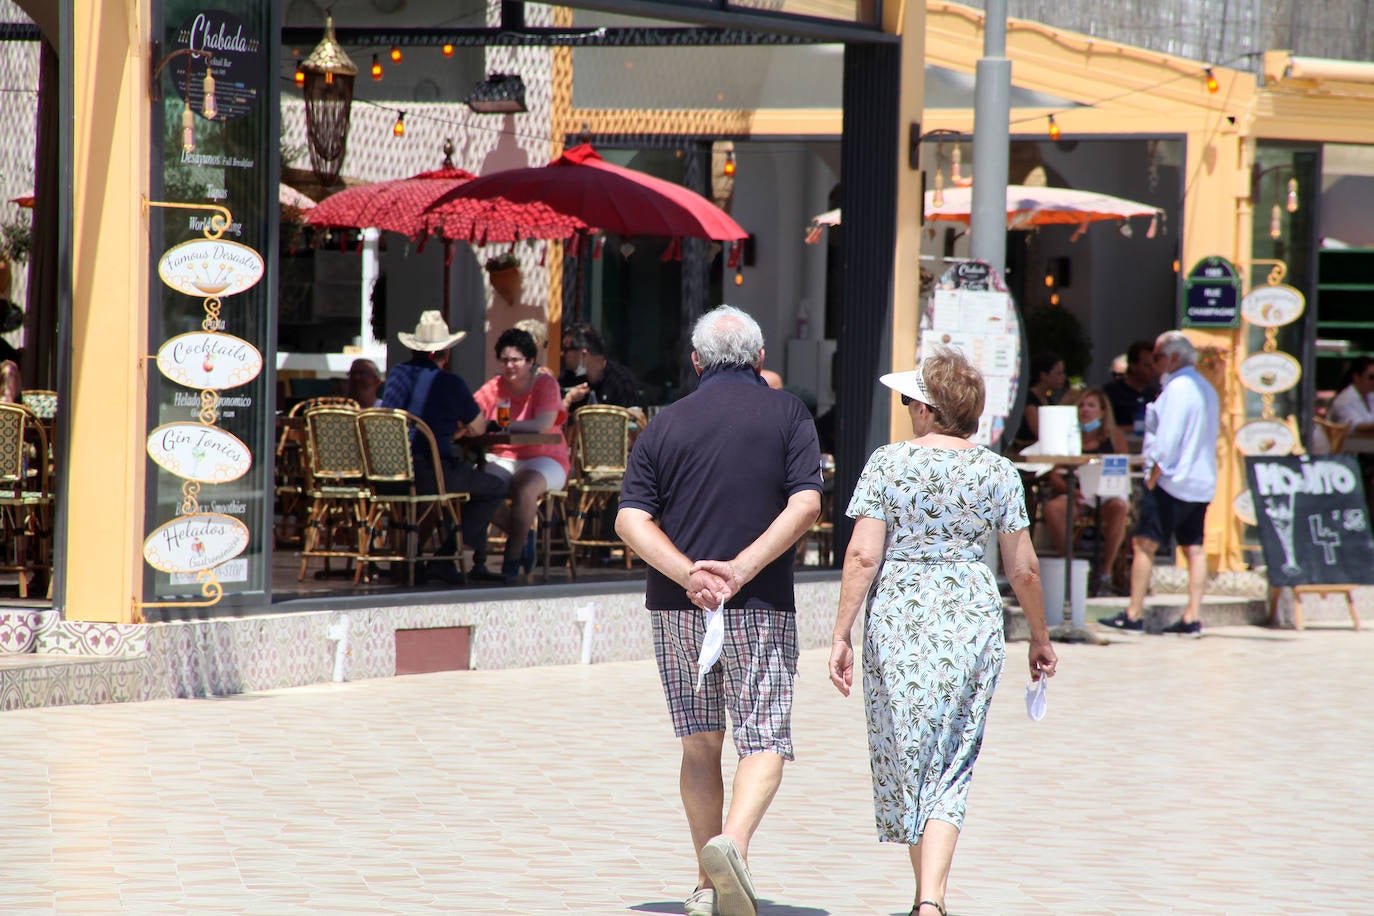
(909, 21)
(106, 460)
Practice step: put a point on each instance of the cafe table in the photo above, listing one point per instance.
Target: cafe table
(506, 437)
(1070, 464)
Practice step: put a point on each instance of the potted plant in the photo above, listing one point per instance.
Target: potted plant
(504, 272)
(16, 238)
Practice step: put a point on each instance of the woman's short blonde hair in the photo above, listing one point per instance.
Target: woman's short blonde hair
(957, 389)
(1104, 406)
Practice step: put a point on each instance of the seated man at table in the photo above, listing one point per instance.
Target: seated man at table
(364, 382)
(1137, 386)
(590, 376)
(424, 387)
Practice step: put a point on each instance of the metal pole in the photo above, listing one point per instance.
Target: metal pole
(991, 140)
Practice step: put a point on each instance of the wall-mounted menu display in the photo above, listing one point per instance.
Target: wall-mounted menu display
(972, 311)
(213, 225)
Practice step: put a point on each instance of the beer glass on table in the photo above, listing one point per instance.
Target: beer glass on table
(503, 413)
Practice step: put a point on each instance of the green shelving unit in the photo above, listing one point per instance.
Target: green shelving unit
(1344, 308)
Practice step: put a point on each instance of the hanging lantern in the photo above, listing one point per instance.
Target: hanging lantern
(1291, 204)
(328, 93)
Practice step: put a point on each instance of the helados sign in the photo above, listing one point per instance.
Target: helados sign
(193, 543)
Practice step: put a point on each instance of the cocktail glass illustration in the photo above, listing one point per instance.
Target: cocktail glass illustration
(1281, 518)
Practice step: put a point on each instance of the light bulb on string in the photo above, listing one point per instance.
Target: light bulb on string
(395, 54)
(1054, 298)
(956, 159)
(739, 278)
(188, 130)
(1212, 84)
(447, 49)
(1054, 129)
(937, 199)
(399, 128)
(300, 75)
(376, 68)
(208, 108)
(1292, 201)
(1276, 223)
(730, 164)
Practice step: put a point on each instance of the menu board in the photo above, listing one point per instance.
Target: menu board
(1312, 519)
(971, 310)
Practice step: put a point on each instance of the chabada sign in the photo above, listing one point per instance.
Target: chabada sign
(195, 542)
(194, 451)
(211, 267)
(208, 360)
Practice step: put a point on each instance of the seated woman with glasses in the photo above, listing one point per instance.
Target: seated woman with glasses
(532, 401)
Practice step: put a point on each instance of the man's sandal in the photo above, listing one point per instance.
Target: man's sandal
(916, 910)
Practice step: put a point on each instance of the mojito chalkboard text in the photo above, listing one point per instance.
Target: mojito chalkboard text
(1312, 519)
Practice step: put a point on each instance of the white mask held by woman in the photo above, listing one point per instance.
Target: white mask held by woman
(1036, 702)
(711, 644)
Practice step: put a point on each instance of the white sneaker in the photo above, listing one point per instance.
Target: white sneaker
(734, 886)
(702, 902)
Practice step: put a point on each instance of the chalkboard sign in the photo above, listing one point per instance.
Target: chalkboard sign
(1313, 522)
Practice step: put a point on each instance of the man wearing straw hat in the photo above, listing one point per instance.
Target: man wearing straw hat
(728, 477)
(426, 388)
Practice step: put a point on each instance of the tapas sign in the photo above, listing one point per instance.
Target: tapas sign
(211, 267)
(1269, 373)
(204, 359)
(192, 543)
(1272, 306)
(195, 451)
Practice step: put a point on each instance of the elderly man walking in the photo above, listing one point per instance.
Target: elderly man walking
(719, 488)
(1180, 453)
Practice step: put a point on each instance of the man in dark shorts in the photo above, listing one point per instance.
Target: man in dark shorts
(1180, 451)
(728, 477)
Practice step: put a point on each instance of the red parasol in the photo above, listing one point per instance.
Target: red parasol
(404, 206)
(396, 206)
(614, 199)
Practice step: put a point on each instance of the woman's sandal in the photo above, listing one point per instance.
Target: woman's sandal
(916, 910)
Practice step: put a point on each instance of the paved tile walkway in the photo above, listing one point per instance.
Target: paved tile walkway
(1227, 775)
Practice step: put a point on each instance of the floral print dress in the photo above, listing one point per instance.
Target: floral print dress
(933, 645)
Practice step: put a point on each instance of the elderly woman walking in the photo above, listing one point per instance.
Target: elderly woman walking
(924, 508)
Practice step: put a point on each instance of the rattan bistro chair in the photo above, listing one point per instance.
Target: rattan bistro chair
(396, 511)
(601, 451)
(292, 472)
(26, 499)
(336, 489)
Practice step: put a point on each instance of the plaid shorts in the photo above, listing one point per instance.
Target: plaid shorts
(752, 680)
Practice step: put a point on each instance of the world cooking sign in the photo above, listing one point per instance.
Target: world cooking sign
(210, 361)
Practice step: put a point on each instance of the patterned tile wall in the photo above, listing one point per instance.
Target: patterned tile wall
(101, 663)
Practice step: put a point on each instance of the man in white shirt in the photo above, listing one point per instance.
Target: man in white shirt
(1180, 450)
(1351, 406)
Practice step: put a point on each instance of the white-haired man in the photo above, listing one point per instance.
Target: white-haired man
(1180, 452)
(719, 488)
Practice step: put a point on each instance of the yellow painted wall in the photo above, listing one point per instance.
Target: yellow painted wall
(110, 249)
(906, 279)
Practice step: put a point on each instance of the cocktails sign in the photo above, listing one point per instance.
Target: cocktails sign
(195, 451)
(205, 359)
(192, 543)
(211, 267)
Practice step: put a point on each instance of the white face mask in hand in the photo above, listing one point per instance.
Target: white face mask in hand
(1035, 698)
(711, 643)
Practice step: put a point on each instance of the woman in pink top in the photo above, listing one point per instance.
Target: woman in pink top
(535, 406)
